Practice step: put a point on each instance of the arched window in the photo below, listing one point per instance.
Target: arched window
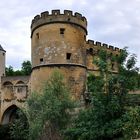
(20, 83)
(7, 83)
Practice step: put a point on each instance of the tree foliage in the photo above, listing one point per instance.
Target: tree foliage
(9, 71)
(25, 69)
(49, 111)
(108, 116)
(19, 128)
(129, 70)
(131, 123)
(4, 132)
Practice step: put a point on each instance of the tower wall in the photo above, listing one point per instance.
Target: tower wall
(58, 42)
(2, 71)
(2, 64)
(2, 61)
(92, 54)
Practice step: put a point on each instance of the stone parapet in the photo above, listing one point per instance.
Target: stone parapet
(103, 45)
(56, 17)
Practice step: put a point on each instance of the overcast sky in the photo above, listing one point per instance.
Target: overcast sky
(115, 22)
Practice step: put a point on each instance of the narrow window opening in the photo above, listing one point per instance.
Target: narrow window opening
(68, 56)
(110, 56)
(19, 90)
(91, 50)
(62, 30)
(3, 54)
(112, 66)
(37, 35)
(84, 37)
(41, 60)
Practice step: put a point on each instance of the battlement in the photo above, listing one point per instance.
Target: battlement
(103, 45)
(56, 17)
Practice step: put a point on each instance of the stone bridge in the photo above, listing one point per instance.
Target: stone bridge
(14, 91)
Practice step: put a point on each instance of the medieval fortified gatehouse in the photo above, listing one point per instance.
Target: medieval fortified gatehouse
(57, 41)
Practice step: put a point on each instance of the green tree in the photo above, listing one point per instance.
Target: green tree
(26, 67)
(108, 117)
(9, 71)
(129, 71)
(4, 132)
(19, 128)
(138, 77)
(131, 123)
(49, 111)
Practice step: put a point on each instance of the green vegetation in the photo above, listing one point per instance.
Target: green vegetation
(25, 69)
(4, 132)
(109, 117)
(111, 113)
(19, 128)
(49, 111)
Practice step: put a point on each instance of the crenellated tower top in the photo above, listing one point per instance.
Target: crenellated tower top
(103, 46)
(56, 17)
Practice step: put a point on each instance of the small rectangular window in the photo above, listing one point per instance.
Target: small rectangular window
(19, 90)
(41, 60)
(112, 66)
(68, 56)
(62, 30)
(84, 37)
(37, 35)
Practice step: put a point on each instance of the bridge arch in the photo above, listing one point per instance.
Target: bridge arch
(20, 83)
(9, 114)
(7, 83)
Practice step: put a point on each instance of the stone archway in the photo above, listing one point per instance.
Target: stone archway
(10, 114)
(14, 119)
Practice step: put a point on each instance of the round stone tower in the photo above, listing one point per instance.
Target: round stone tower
(57, 41)
(2, 61)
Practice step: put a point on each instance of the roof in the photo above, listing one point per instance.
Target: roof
(1, 49)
